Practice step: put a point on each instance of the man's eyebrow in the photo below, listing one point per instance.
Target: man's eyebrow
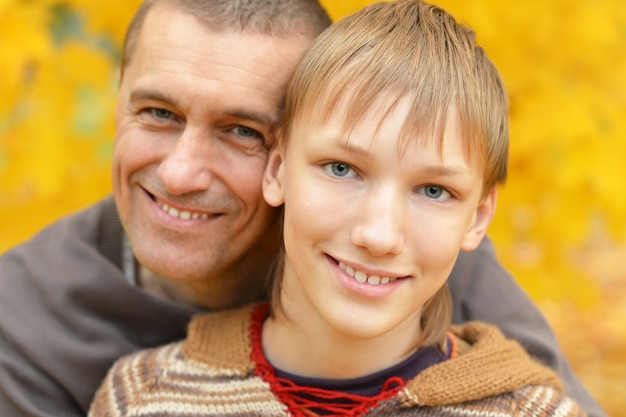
(144, 94)
(258, 117)
(244, 114)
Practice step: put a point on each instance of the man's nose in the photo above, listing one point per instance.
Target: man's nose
(187, 166)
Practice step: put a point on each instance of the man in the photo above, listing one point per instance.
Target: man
(201, 89)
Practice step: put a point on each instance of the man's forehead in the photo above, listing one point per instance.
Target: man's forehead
(256, 52)
(163, 16)
(180, 60)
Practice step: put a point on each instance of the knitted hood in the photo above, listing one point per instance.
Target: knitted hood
(487, 363)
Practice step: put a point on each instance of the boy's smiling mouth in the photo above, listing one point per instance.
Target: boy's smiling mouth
(363, 278)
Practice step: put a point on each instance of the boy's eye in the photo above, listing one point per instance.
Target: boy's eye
(339, 169)
(435, 192)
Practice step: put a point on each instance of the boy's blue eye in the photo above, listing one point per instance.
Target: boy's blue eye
(339, 169)
(435, 192)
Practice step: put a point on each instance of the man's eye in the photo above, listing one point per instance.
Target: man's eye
(161, 113)
(339, 169)
(435, 192)
(246, 132)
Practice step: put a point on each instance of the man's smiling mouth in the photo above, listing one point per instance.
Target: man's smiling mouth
(182, 214)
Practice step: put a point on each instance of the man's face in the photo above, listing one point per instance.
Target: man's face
(195, 108)
(371, 232)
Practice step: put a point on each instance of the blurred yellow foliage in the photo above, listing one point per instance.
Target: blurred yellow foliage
(57, 102)
(560, 227)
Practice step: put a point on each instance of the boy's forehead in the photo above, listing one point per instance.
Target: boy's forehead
(348, 112)
(347, 109)
(340, 123)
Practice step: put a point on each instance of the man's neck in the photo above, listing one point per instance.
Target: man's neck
(208, 294)
(243, 283)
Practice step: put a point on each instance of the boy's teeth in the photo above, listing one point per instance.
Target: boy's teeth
(362, 278)
(374, 280)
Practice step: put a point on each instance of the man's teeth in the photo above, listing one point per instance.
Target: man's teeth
(362, 278)
(184, 214)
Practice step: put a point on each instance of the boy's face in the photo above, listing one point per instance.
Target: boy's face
(372, 233)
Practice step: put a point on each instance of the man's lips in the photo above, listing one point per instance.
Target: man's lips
(180, 213)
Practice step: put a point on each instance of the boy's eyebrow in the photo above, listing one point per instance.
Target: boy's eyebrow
(439, 170)
(447, 171)
(352, 148)
(433, 169)
(245, 114)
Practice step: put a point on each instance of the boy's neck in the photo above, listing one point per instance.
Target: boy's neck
(320, 352)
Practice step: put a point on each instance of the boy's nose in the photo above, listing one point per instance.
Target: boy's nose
(378, 228)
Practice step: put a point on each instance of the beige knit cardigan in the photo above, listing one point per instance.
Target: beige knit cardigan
(211, 374)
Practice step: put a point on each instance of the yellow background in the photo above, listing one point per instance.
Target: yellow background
(560, 226)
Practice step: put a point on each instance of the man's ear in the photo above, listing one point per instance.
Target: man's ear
(273, 178)
(482, 218)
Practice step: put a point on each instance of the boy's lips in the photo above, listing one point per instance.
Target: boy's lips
(363, 277)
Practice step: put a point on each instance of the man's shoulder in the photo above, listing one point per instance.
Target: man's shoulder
(62, 301)
(85, 224)
(93, 231)
(79, 253)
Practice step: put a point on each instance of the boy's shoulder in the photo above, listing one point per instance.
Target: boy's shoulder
(485, 364)
(208, 373)
(487, 372)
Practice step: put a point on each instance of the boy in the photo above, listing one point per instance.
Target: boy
(392, 145)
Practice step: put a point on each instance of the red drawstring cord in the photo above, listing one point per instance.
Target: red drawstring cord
(301, 400)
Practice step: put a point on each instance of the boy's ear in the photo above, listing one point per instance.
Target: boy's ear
(273, 178)
(482, 218)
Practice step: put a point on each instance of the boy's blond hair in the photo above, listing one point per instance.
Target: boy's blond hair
(407, 48)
